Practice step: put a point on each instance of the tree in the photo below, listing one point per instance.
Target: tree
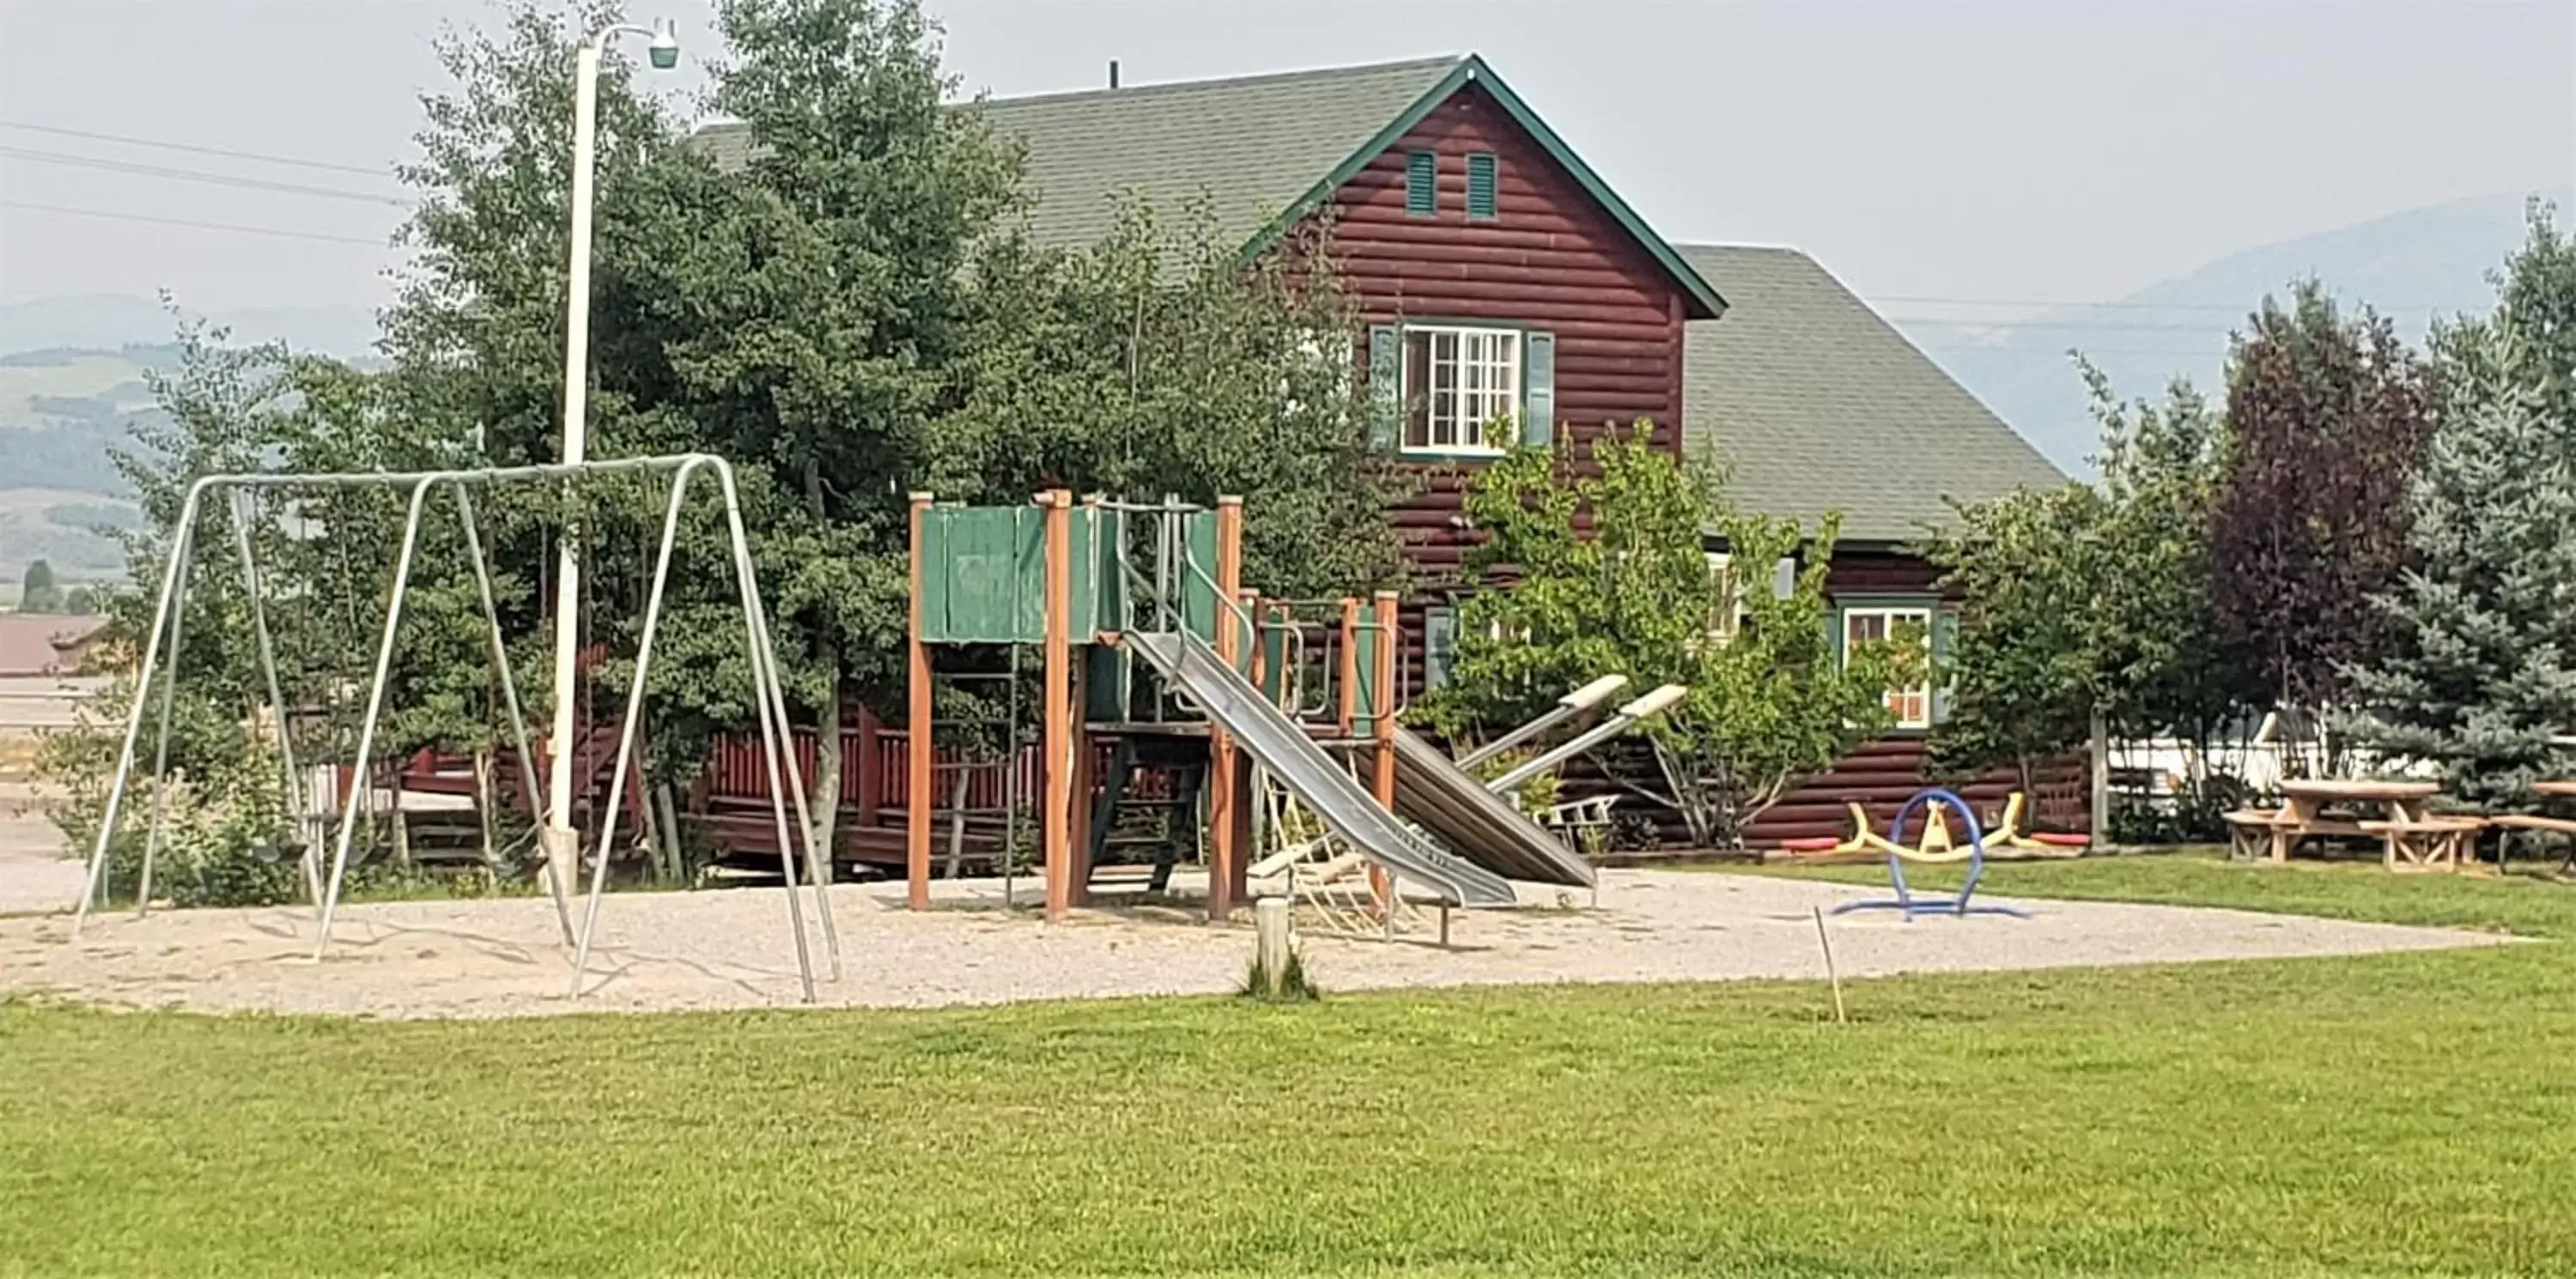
(2479, 676)
(2536, 304)
(38, 593)
(1609, 576)
(2026, 667)
(2480, 672)
(1156, 361)
(2326, 417)
(848, 317)
(2085, 601)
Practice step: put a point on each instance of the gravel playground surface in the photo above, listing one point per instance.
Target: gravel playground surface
(733, 948)
(34, 875)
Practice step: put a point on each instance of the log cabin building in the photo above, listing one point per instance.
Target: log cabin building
(1502, 280)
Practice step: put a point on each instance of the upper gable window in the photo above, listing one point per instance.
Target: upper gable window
(1481, 181)
(1421, 184)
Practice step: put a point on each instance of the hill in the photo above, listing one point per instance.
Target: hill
(2411, 266)
(107, 321)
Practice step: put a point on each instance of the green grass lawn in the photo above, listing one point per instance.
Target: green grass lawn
(2404, 1114)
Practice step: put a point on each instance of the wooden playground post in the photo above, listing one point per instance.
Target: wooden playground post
(1382, 728)
(1056, 824)
(1225, 854)
(917, 744)
(1347, 694)
(1086, 777)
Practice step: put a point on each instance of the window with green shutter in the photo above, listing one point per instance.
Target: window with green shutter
(1421, 184)
(1439, 644)
(1480, 186)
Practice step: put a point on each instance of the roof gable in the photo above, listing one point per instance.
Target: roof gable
(1252, 148)
(1261, 151)
(1817, 404)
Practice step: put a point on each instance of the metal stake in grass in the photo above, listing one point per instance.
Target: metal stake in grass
(1830, 975)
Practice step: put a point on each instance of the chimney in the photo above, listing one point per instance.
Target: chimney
(1113, 73)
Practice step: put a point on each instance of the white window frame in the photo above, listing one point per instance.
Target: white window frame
(1730, 609)
(1784, 582)
(1904, 701)
(1487, 379)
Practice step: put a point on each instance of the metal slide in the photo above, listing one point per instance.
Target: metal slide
(1326, 786)
(1432, 792)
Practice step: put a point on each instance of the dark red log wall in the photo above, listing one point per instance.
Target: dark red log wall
(1552, 258)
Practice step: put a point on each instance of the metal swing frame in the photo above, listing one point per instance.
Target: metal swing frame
(157, 673)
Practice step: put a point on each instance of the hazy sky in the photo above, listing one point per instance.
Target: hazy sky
(1979, 149)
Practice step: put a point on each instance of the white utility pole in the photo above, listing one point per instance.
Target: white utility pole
(562, 844)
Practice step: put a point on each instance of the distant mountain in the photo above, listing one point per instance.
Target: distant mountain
(2411, 266)
(108, 321)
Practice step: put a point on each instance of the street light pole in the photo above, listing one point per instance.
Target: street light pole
(562, 844)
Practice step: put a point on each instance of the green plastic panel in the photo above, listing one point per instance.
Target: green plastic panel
(1365, 700)
(1198, 574)
(984, 575)
(1109, 679)
(1274, 660)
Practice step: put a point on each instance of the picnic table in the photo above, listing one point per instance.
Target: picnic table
(2411, 837)
(2547, 822)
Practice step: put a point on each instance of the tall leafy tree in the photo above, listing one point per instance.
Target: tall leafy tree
(2326, 416)
(476, 342)
(1610, 577)
(1157, 361)
(826, 296)
(37, 591)
(2026, 666)
(2097, 600)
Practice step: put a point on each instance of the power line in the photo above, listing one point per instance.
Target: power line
(196, 175)
(281, 232)
(194, 149)
(1967, 348)
(2236, 310)
(2062, 304)
(2076, 325)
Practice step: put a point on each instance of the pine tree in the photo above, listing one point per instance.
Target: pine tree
(2479, 673)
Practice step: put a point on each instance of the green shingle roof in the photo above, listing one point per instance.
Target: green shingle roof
(1816, 404)
(1252, 148)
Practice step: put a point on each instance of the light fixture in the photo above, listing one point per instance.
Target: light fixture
(665, 49)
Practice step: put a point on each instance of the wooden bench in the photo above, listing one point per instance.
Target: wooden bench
(2250, 832)
(2426, 843)
(2533, 824)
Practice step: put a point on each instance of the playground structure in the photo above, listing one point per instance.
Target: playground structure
(1302, 692)
(1973, 854)
(158, 675)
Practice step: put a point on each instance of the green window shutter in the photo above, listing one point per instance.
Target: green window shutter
(1386, 384)
(1480, 186)
(1945, 627)
(1421, 184)
(1538, 388)
(1439, 644)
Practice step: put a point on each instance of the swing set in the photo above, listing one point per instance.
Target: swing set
(158, 675)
